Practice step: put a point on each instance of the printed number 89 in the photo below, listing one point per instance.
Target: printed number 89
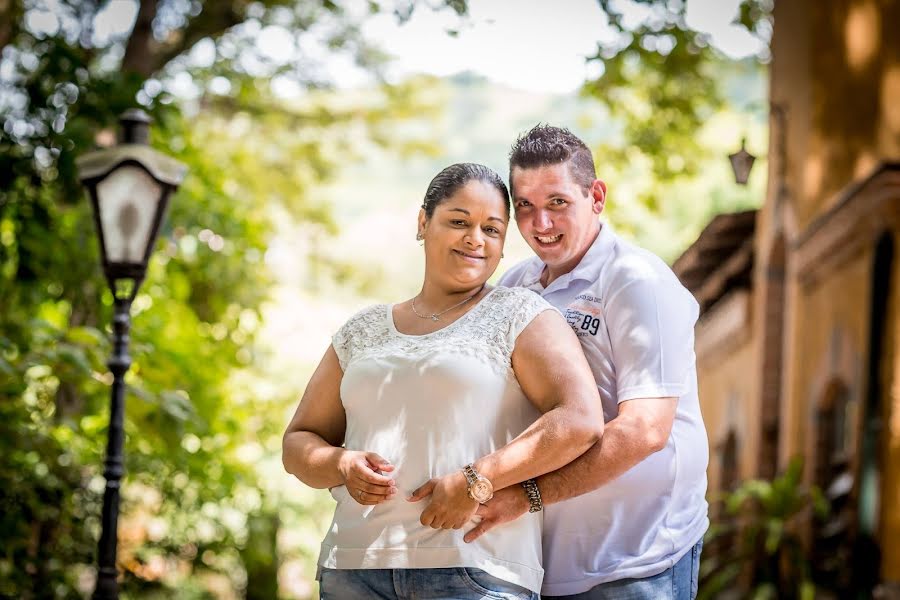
(590, 324)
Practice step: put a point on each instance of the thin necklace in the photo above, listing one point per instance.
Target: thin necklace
(437, 316)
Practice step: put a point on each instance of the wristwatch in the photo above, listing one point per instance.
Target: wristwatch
(480, 488)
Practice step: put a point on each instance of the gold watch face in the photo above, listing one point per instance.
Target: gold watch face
(481, 490)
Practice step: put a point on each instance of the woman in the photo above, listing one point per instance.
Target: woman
(419, 409)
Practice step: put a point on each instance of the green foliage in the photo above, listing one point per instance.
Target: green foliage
(679, 107)
(47, 514)
(660, 78)
(193, 495)
(760, 531)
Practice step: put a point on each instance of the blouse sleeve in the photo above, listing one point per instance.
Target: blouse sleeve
(352, 334)
(340, 341)
(525, 306)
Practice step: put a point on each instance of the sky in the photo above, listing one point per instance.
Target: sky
(531, 45)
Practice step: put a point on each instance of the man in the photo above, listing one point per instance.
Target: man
(626, 519)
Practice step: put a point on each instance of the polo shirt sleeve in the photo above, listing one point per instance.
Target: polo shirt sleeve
(651, 332)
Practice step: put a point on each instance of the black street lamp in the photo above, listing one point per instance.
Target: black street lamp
(130, 185)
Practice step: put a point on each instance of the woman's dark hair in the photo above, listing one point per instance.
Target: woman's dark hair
(450, 180)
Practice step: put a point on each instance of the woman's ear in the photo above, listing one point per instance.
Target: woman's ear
(423, 221)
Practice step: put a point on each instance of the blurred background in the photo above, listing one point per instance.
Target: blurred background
(310, 130)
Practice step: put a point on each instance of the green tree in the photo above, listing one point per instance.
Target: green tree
(679, 105)
(662, 80)
(253, 155)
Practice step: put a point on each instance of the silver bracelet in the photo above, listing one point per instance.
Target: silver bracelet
(534, 496)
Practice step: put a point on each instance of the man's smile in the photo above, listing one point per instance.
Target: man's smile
(548, 239)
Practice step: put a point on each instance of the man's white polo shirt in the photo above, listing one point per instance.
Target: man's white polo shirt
(635, 322)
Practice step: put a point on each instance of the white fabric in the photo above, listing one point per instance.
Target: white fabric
(635, 322)
(431, 404)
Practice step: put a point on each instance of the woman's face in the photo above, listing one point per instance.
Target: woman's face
(464, 236)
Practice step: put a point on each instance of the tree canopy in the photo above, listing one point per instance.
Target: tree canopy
(190, 424)
(660, 78)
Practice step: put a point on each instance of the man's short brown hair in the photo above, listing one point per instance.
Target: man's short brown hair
(546, 145)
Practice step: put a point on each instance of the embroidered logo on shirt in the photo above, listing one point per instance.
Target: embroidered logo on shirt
(583, 315)
(581, 323)
(587, 304)
(589, 298)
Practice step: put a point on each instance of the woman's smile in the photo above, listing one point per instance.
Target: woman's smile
(469, 257)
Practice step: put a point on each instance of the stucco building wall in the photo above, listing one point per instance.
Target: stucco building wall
(726, 387)
(801, 358)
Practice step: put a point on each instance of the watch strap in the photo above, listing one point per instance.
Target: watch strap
(470, 473)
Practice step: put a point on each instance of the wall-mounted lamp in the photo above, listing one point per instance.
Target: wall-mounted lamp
(741, 163)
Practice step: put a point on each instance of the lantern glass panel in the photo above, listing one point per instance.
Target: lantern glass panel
(128, 200)
(741, 163)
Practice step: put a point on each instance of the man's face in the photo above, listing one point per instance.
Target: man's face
(556, 216)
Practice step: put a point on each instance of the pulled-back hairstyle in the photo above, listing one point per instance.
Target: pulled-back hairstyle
(546, 145)
(450, 180)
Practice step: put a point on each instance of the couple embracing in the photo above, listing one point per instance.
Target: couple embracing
(538, 437)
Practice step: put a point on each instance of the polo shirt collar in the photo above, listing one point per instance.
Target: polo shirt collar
(587, 269)
(597, 255)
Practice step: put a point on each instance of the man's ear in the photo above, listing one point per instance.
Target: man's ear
(598, 194)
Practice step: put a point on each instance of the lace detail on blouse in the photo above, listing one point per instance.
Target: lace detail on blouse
(488, 331)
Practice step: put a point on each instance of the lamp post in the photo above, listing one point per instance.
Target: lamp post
(129, 185)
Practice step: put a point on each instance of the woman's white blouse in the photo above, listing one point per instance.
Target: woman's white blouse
(430, 404)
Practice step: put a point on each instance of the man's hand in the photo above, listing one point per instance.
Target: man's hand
(507, 505)
(362, 473)
(451, 506)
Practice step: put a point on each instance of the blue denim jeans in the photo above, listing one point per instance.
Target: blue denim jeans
(461, 583)
(676, 583)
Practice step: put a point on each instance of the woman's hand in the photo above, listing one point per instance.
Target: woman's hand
(364, 478)
(451, 507)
